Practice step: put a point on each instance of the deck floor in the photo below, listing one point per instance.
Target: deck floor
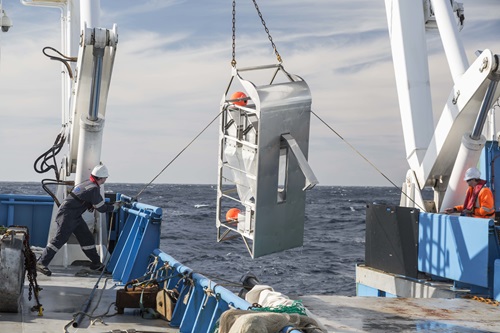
(376, 314)
(64, 294)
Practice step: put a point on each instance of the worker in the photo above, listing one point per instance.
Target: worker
(479, 198)
(84, 196)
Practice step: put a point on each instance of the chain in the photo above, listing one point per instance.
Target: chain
(233, 62)
(267, 31)
(30, 266)
(483, 300)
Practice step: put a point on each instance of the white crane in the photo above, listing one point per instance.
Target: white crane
(439, 155)
(87, 53)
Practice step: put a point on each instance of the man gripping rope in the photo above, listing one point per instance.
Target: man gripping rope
(84, 196)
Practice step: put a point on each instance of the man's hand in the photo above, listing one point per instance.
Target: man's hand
(450, 210)
(467, 212)
(117, 205)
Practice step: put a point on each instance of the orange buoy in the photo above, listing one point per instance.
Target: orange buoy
(238, 95)
(232, 214)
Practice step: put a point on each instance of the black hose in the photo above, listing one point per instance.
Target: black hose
(85, 307)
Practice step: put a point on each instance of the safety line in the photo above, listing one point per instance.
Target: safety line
(367, 160)
(176, 156)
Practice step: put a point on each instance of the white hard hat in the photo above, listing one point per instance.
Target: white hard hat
(100, 171)
(472, 173)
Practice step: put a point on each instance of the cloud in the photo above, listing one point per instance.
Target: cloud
(173, 67)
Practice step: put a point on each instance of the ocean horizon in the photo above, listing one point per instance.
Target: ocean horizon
(334, 236)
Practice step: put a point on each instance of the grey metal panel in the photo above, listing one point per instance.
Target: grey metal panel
(284, 109)
(386, 228)
(268, 189)
(311, 180)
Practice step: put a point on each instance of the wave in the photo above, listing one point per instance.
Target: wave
(201, 205)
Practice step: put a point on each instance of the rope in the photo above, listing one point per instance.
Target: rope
(228, 282)
(176, 156)
(296, 307)
(90, 315)
(367, 160)
(92, 319)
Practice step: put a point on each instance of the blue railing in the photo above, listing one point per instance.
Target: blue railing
(206, 300)
(137, 257)
(138, 226)
(463, 249)
(139, 236)
(31, 211)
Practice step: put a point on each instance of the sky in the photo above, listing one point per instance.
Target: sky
(172, 68)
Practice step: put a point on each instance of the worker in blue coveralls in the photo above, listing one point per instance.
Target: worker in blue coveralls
(84, 196)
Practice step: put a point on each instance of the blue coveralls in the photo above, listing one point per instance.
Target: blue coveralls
(69, 221)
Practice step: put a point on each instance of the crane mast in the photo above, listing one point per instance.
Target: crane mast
(438, 155)
(89, 52)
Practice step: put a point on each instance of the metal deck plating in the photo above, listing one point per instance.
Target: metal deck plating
(377, 314)
(64, 294)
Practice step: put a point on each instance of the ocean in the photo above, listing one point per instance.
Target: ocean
(334, 236)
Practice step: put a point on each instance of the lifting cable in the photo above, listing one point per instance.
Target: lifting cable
(176, 156)
(368, 161)
(233, 64)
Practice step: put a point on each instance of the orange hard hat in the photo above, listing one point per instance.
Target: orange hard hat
(232, 214)
(238, 95)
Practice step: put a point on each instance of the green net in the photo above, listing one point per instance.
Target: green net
(3, 230)
(296, 307)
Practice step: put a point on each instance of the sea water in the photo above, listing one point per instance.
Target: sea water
(334, 236)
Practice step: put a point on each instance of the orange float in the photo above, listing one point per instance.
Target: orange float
(239, 95)
(232, 214)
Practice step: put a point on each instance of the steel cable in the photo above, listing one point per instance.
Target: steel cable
(368, 161)
(178, 154)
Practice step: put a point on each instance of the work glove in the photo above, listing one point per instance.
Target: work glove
(117, 205)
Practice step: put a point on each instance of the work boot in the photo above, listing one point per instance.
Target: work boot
(43, 269)
(97, 267)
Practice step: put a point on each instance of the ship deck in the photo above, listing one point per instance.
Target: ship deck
(380, 314)
(64, 294)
